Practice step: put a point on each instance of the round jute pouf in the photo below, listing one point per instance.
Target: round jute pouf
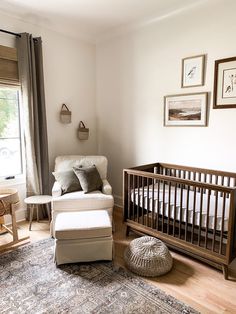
(148, 256)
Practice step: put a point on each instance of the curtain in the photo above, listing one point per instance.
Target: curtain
(30, 64)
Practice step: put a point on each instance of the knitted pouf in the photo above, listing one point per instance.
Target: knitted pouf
(148, 256)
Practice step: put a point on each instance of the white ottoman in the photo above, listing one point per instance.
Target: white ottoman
(83, 236)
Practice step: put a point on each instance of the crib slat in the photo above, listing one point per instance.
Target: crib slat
(205, 180)
(153, 203)
(148, 202)
(143, 198)
(138, 187)
(222, 180)
(134, 196)
(163, 207)
(186, 217)
(169, 201)
(200, 218)
(199, 179)
(194, 208)
(215, 221)
(222, 183)
(207, 216)
(228, 184)
(210, 178)
(181, 208)
(222, 224)
(175, 202)
(158, 203)
(129, 196)
(189, 175)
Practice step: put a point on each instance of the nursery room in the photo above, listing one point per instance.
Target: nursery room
(117, 156)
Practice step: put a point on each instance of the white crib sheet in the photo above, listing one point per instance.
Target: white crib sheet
(196, 222)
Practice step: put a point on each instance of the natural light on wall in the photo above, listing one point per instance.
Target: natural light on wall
(10, 133)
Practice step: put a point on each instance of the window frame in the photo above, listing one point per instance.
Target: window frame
(20, 177)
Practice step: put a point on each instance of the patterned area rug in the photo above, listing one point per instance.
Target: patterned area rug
(31, 283)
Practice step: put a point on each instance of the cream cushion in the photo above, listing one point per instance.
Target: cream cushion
(82, 201)
(83, 225)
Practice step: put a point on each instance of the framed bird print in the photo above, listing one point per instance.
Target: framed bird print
(193, 69)
(225, 83)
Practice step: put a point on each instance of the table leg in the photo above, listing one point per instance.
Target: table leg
(37, 208)
(49, 212)
(31, 215)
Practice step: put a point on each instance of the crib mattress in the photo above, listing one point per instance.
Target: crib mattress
(143, 200)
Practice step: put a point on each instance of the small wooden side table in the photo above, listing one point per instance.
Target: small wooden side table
(34, 202)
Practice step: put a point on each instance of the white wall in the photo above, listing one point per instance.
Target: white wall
(135, 71)
(69, 73)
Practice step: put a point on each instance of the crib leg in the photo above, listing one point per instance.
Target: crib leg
(127, 231)
(225, 271)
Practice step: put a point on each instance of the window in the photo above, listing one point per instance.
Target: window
(10, 133)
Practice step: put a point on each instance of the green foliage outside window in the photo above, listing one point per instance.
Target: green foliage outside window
(8, 110)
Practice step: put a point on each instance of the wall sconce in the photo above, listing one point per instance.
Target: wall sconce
(83, 132)
(65, 114)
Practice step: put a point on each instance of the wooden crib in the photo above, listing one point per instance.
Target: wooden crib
(190, 209)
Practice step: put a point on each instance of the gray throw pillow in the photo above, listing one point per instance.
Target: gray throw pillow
(89, 178)
(68, 181)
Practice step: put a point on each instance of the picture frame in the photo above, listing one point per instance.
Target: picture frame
(186, 109)
(193, 70)
(224, 95)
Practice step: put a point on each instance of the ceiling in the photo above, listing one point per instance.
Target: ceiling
(91, 19)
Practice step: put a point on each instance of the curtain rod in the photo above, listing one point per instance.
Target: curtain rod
(10, 33)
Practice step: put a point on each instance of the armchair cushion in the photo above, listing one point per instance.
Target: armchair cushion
(77, 201)
(89, 178)
(68, 181)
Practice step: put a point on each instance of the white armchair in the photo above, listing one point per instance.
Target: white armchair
(79, 201)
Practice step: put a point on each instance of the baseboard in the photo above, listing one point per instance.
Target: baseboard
(118, 201)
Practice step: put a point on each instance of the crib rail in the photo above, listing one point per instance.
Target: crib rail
(191, 207)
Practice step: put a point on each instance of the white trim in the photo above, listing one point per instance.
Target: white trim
(18, 180)
(118, 200)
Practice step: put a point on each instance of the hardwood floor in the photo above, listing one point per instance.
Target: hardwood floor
(190, 281)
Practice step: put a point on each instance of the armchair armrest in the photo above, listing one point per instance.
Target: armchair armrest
(56, 189)
(106, 188)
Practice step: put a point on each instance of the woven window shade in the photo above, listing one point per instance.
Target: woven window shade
(8, 65)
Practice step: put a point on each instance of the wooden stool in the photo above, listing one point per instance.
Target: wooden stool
(34, 202)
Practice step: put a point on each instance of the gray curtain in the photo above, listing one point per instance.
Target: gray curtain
(30, 64)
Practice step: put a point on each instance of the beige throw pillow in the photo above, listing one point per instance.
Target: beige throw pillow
(68, 181)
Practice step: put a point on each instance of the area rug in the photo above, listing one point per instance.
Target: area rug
(31, 283)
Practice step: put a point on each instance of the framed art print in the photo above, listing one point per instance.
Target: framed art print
(225, 83)
(193, 69)
(185, 110)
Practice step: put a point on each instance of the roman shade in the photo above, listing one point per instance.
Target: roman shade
(8, 66)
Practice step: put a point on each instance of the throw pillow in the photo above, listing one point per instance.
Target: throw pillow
(89, 178)
(68, 181)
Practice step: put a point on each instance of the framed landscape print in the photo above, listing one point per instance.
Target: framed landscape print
(185, 110)
(193, 69)
(225, 83)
